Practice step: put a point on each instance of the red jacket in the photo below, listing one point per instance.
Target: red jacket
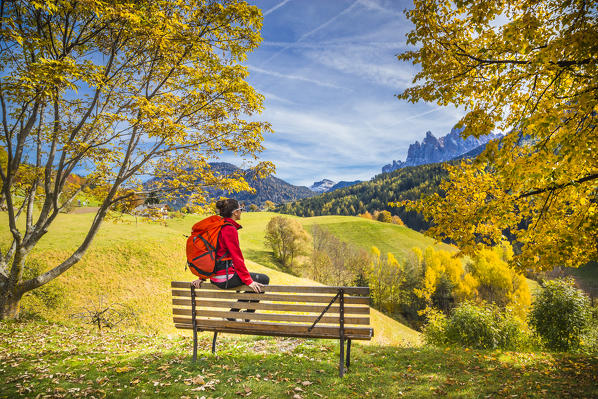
(228, 246)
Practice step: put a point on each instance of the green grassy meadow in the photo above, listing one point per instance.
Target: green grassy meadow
(72, 362)
(133, 262)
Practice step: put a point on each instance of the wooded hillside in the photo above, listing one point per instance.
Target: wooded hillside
(374, 195)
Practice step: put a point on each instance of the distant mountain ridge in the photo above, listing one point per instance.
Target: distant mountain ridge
(408, 183)
(326, 185)
(434, 150)
(322, 186)
(268, 189)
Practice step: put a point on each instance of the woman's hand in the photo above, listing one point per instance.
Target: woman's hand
(256, 287)
(197, 283)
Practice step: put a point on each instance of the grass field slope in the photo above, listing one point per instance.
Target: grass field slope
(133, 263)
(50, 361)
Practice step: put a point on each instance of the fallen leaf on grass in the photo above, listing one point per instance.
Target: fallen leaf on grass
(124, 369)
(198, 380)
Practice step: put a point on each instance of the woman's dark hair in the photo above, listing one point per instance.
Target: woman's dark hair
(227, 206)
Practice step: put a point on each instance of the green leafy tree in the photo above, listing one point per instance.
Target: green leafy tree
(561, 315)
(287, 238)
(528, 68)
(119, 89)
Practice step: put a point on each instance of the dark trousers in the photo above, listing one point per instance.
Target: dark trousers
(235, 281)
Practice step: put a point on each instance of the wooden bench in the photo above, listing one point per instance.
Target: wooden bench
(290, 311)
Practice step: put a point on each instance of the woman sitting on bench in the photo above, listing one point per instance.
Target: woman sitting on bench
(233, 272)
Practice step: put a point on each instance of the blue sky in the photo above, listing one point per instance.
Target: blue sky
(329, 72)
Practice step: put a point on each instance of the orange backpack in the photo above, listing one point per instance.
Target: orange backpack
(202, 245)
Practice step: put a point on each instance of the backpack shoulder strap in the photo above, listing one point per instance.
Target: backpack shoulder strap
(218, 239)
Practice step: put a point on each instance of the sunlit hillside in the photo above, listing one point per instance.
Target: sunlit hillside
(356, 230)
(133, 263)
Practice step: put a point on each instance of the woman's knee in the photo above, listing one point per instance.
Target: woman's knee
(262, 278)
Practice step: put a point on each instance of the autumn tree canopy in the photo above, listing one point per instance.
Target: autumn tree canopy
(114, 91)
(527, 68)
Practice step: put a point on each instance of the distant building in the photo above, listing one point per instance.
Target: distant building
(152, 211)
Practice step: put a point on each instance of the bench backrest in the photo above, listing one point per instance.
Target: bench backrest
(282, 310)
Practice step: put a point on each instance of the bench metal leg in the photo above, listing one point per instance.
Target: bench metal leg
(194, 344)
(348, 353)
(193, 315)
(214, 342)
(341, 366)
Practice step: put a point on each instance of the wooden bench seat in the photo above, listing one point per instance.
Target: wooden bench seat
(289, 311)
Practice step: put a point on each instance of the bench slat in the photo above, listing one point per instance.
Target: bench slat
(273, 333)
(223, 294)
(363, 310)
(274, 327)
(272, 316)
(364, 291)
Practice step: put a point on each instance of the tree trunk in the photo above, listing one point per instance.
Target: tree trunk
(9, 304)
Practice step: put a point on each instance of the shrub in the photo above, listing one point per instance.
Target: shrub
(384, 217)
(435, 328)
(477, 326)
(366, 215)
(561, 315)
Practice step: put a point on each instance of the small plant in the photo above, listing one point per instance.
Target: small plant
(561, 315)
(106, 315)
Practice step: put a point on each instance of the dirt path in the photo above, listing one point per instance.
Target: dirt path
(85, 209)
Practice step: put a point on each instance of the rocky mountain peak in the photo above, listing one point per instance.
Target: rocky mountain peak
(433, 150)
(322, 186)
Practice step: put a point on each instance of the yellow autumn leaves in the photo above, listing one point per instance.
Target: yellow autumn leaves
(439, 279)
(530, 70)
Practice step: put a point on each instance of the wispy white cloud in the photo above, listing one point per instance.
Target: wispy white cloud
(293, 77)
(347, 144)
(330, 21)
(375, 5)
(376, 66)
(410, 118)
(357, 43)
(274, 97)
(324, 132)
(318, 28)
(276, 7)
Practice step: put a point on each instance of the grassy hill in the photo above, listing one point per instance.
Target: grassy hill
(136, 262)
(48, 360)
(356, 230)
(133, 263)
